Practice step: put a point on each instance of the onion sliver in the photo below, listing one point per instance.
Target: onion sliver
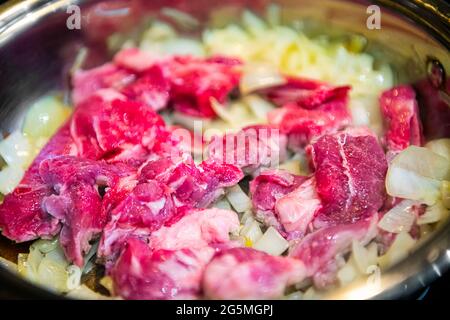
(272, 242)
(434, 213)
(256, 77)
(238, 199)
(399, 218)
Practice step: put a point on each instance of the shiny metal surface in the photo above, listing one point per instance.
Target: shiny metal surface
(37, 50)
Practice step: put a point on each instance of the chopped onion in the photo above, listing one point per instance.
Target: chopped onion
(253, 23)
(251, 232)
(272, 242)
(273, 13)
(16, 150)
(45, 117)
(399, 218)
(183, 19)
(258, 106)
(347, 274)
(410, 185)
(85, 293)
(434, 213)
(183, 46)
(238, 199)
(311, 294)
(292, 166)
(423, 162)
(296, 295)
(256, 77)
(440, 146)
(186, 121)
(74, 277)
(221, 111)
(445, 193)
(222, 204)
(363, 257)
(399, 250)
(10, 178)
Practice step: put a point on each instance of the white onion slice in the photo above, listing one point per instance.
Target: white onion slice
(440, 146)
(238, 199)
(252, 232)
(222, 204)
(257, 77)
(399, 250)
(434, 213)
(423, 162)
(258, 106)
(400, 218)
(10, 178)
(272, 242)
(16, 150)
(410, 185)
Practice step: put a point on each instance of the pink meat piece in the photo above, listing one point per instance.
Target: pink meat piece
(251, 148)
(21, 215)
(401, 113)
(87, 82)
(244, 273)
(105, 129)
(193, 186)
(266, 189)
(77, 201)
(146, 209)
(196, 230)
(297, 209)
(309, 109)
(151, 89)
(304, 93)
(144, 274)
(196, 81)
(135, 60)
(319, 251)
(350, 174)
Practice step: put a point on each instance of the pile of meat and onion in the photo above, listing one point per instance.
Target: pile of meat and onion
(253, 163)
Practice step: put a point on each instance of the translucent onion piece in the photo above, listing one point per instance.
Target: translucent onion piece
(45, 117)
(445, 193)
(272, 242)
(434, 213)
(400, 218)
(258, 106)
(10, 178)
(423, 162)
(261, 76)
(440, 146)
(238, 199)
(410, 185)
(222, 204)
(399, 250)
(183, 19)
(347, 274)
(16, 150)
(251, 232)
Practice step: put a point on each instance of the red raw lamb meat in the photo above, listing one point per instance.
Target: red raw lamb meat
(308, 110)
(143, 274)
(350, 174)
(108, 76)
(104, 129)
(195, 82)
(244, 273)
(319, 250)
(251, 148)
(77, 201)
(266, 189)
(21, 215)
(401, 113)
